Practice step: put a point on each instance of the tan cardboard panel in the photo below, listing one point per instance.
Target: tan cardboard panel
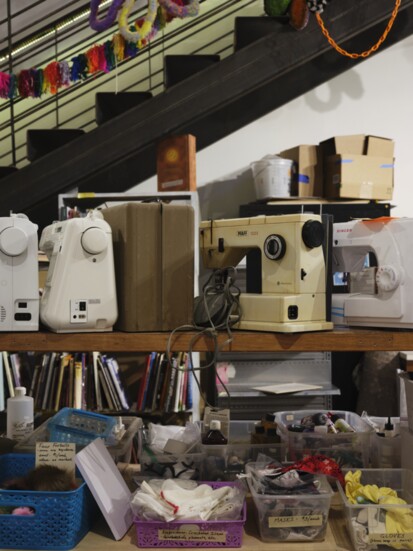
(309, 174)
(359, 177)
(353, 144)
(136, 233)
(177, 265)
(380, 147)
(154, 262)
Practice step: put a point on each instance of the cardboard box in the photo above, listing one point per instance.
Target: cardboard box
(176, 163)
(358, 167)
(309, 181)
(154, 261)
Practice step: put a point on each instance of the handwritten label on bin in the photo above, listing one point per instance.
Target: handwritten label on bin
(295, 521)
(391, 538)
(58, 454)
(193, 535)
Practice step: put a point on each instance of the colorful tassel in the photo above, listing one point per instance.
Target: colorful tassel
(119, 47)
(93, 60)
(51, 75)
(64, 73)
(109, 55)
(4, 85)
(79, 68)
(25, 84)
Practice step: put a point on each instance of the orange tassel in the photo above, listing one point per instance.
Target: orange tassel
(52, 80)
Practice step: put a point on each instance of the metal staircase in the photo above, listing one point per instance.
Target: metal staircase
(245, 85)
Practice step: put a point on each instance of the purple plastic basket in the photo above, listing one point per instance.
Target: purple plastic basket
(189, 533)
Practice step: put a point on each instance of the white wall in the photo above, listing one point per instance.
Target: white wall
(375, 97)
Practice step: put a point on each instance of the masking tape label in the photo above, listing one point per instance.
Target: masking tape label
(191, 535)
(389, 539)
(295, 521)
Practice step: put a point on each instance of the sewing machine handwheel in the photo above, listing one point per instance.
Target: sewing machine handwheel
(94, 240)
(387, 278)
(312, 234)
(13, 241)
(275, 247)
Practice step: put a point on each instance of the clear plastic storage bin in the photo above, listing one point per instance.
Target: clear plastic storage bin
(378, 526)
(349, 449)
(225, 462)
(171, 465)
(120, 451)
(385, 450)
(295, 517)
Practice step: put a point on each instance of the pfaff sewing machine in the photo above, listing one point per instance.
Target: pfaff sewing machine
(80, 290)
(19, 274)
(293, 276)
(389, 301)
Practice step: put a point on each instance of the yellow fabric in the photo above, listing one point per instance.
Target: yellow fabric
(399, 520)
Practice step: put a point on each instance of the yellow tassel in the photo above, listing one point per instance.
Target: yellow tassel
(119, 47)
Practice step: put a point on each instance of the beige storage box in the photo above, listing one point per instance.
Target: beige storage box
(309, 177)
(154, 261)
(358, 167)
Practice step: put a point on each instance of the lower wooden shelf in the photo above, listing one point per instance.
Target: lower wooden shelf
(337, 538)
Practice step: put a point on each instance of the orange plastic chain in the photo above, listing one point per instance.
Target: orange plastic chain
(373, 48)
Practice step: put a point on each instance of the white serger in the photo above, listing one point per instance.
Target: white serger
(19, 274)
(80, 290)
(390, 240)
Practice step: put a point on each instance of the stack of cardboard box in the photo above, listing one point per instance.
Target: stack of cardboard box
(345, 167)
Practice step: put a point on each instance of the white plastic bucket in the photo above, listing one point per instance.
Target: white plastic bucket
(272, 177)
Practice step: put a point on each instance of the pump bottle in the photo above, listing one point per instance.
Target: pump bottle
(19, 415)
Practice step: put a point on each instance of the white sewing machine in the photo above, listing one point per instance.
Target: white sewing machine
(293, 274)
(80, 290)
(19, 274)
(390, 302)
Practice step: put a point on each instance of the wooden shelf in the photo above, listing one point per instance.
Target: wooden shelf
(243, 341)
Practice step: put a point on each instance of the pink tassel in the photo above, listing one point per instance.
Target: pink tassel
(4, 85)
(103, 66)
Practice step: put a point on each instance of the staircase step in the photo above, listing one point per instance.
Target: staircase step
(6, 170)
(109, 104)
(180, 67)
(249, 29)
(41, 142)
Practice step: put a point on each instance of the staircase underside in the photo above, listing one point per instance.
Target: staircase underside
(211, 105)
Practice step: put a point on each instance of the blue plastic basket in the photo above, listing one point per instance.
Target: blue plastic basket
(60, 521)
(79, 427)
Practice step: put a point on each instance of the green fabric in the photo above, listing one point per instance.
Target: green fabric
(276, 7)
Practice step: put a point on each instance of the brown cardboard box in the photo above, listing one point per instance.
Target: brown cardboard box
(176, 163)
(309, 181)
(358, 167)
(154, 261)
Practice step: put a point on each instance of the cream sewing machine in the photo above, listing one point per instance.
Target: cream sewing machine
(293, 275)
(387, 301)
(19, 274)
(80, 290)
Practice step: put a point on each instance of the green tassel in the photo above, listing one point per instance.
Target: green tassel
(276, 7)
